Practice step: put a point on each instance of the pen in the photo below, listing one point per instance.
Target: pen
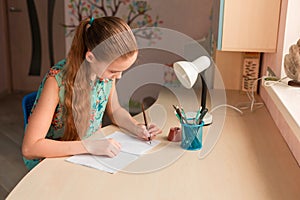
(197, 115)
(183, 113)
(179, 114)
(145, 120)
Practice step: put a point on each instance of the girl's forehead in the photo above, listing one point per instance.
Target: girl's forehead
(122, 64)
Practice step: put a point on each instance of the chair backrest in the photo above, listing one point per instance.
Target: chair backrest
(27, 103)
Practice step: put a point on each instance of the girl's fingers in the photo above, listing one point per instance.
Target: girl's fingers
(114, 151)
(115, 143)
(144, 133)
(111, 154)
(114, 148)
(154, 130)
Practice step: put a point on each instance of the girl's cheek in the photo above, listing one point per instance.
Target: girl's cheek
(105, 75)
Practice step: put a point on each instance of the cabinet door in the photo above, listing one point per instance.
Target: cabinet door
(248, 25)
(32, 31)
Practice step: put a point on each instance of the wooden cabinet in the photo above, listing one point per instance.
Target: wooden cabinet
(248, 25)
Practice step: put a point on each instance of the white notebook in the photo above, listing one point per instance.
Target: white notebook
(131, 149)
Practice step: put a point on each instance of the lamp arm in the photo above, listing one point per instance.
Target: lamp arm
(204, 93)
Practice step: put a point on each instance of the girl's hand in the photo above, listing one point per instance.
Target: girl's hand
(144, 134)
(107, 147)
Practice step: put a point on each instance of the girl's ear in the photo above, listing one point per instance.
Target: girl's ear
(89, 56)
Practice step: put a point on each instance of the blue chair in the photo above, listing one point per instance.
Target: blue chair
(27, 103)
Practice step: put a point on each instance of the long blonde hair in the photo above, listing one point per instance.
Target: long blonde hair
(89, 36)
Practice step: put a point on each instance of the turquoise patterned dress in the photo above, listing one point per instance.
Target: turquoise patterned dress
(100, 91)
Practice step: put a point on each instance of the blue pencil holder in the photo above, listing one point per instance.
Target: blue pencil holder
(191, 136)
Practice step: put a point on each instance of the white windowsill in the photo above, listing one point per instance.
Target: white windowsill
(290, 98)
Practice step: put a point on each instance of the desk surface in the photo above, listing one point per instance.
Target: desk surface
(250, 161)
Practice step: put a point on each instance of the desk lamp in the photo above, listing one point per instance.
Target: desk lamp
(187, 73)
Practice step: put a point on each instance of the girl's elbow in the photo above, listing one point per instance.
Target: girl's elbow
(26, 152)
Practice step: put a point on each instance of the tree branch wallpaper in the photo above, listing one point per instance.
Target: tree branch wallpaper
(135, 13)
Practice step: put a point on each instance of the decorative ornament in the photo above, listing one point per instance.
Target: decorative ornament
(292, 64)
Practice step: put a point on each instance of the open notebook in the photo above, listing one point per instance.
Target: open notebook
(131, 149)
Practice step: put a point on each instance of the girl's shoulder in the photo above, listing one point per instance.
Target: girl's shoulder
(57, 68)
(56, 72)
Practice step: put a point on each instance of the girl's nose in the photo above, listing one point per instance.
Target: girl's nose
(118, 75)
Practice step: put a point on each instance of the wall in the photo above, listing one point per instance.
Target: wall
(289, 33)
(189, 17)
(4, 68)
(192, 18)
(274, 60)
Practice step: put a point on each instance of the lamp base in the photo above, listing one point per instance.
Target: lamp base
(207, 119)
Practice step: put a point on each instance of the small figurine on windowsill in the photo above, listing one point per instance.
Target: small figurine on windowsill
(292, 64)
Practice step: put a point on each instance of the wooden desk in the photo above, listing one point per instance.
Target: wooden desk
(250, 161)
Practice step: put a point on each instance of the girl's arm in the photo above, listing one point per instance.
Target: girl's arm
(123, 119)
(35, 145)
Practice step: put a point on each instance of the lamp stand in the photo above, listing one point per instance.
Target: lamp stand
(208, 117)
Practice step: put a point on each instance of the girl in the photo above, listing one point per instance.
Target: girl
(74, 94)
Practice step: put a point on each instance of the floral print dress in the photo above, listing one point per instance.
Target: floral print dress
(100, 91)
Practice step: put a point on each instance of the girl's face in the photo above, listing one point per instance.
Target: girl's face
(115, 69)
